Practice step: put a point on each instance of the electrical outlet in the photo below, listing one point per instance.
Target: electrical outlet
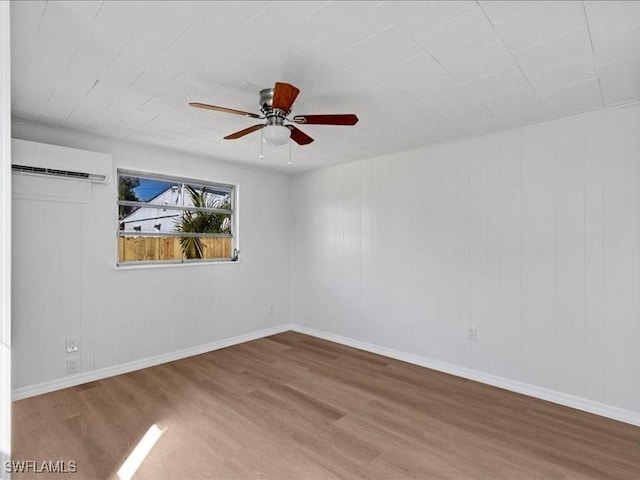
(272, 309)
(73, 345)
(73, 365)
(472, 333)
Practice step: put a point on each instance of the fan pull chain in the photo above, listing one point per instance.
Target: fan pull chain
(261, 156)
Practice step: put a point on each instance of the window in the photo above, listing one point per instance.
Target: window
(174, 220)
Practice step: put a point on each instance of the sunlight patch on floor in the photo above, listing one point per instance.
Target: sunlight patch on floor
(133, 462)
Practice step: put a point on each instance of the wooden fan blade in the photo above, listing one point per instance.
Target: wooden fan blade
(339, 119)
(299, 136)
(284, 94)
(244, 132)
(224, 109)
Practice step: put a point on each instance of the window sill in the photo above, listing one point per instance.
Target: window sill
(144, 266)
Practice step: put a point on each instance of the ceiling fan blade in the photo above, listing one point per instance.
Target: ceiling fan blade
(299, 136)
(284, 94)
(244, 132)
(339, 119)
(224, 109)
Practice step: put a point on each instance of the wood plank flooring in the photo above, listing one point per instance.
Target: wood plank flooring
(292, 406)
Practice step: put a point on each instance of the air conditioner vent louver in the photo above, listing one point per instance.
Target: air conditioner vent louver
(41, 159)
(58, 173)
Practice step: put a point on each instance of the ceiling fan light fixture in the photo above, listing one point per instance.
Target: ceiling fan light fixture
(276, 135)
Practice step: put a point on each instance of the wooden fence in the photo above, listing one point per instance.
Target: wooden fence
(135, 249)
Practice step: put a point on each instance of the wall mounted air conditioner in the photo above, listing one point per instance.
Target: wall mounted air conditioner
(42, 159)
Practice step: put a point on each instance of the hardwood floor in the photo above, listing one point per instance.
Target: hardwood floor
(295, 407)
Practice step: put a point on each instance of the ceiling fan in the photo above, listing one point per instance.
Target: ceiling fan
(275, 105)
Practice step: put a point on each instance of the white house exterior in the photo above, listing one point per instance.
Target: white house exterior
(159, 219)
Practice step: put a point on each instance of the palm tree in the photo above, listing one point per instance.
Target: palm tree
(202, 222)
(127, 191)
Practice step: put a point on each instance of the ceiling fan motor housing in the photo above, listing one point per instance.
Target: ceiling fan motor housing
(275, 116)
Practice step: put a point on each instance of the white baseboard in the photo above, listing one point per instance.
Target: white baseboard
(98, 374)
(565, 399)
(579, 403)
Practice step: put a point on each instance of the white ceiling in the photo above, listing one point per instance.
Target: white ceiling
(414, 72)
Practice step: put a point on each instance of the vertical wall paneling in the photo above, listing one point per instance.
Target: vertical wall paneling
(416, 254)
(368, 240)
(25, 336)
(478, 253)
(464, 245)
(570, 255)
(511, 256)
(387, 325)
(354, 261)
(324, 263)
(402, 235)
(66, 283)
(448, 166)
(620, 205)
(340, 232)
(532, 235)
(431, 323)
(48, 270)
(491, 338)
(439, 285)
(538, 253)
(594, 258)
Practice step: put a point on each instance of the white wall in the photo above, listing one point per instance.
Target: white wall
(5, 239)
(533, 235)
(65, 282)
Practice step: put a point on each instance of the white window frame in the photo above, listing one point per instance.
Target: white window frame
(233, 213)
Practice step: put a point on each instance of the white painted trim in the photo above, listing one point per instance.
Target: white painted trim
(98, 374)
(5, 236)
(142, 266)
(565, 399)
(560, 398)
(5, 176)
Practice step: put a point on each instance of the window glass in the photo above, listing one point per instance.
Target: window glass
(171, 220)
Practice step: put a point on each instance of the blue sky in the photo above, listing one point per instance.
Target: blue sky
(150, 188)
